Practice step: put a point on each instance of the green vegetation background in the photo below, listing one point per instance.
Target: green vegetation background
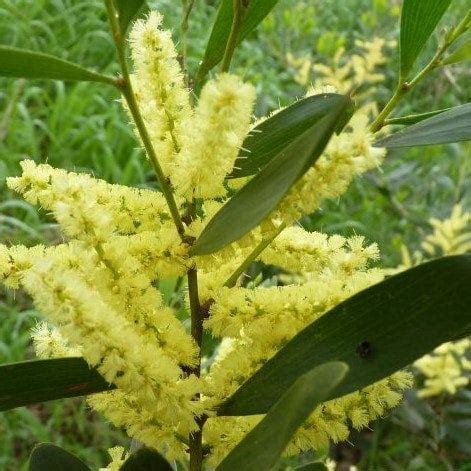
(81, 127)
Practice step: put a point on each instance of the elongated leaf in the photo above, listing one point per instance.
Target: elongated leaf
(49, 457)
(261, 448)
(462, 53)
(453, 125)
(22, 63)
(146, 459)
(415, 118)
(127, 10)
(255, 13)
(273, 135)
(376, 332)
(259, 197)
(418, 21)
(29, 382)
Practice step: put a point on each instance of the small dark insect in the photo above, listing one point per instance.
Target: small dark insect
(364, 349)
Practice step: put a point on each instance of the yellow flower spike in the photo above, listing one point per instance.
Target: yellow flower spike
(212, 137)
(163, 100)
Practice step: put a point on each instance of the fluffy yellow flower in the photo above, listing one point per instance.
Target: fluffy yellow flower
(212, 137)
(158, 83)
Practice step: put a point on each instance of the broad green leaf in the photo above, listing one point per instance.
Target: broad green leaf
(376, 332)
(418, 21)
(250, 205)
(262, 446)
(462, 53)
(414, 118)
(49, 457)
(22, 63)
(146, 459)
(274, 134)
(453, 125)
(255, 13)
(29, 382)
(127, 10)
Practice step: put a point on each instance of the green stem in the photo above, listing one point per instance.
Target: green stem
(264, 243)
(403, 86)
(238, 9)
(126, 88)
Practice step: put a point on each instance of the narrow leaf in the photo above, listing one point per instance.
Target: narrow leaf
(414, 118)
(146, 459)
(462, 53)
(29, 382)
(22, 63)
(274, 134)
(376, 332)
(261, 447)
(418, 21)
(453, 125)
(127, 10)
(48, 457)
(255, 13)
(250, 205)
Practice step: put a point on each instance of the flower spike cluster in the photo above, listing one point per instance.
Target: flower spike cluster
(99, 289)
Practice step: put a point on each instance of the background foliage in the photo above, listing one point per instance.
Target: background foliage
(78, 127)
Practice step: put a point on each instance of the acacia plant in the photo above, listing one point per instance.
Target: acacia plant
(259, 368)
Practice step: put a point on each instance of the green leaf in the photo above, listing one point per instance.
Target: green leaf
(146, 459)
(251, 204)
(274, 134)
(418, 21)
(255, 13)
(262, 446)
(462, 53)
(376, 332)
(22, 63)
(49, 457)
(414, 118)
(127, 10)
(29, 382)
(317, 466)
(453, 125)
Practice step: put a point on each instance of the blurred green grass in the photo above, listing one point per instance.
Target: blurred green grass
(82, 127)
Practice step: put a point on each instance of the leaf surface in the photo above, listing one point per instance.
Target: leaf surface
(22, 63)
(146, 459)
(30, 382)
(375, 332)
(255, 13)
(418, 21)
(127, 10)
(274, 134)
(461, 54)
(251, 204)
(49, 457)
(453, 125)
(261, 447)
